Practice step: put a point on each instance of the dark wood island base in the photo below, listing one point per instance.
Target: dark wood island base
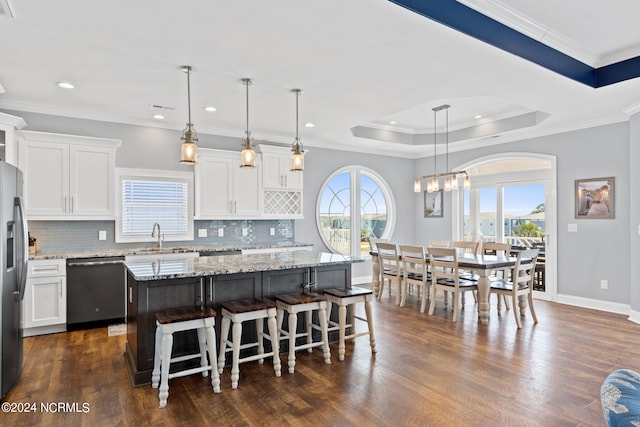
(212, 281)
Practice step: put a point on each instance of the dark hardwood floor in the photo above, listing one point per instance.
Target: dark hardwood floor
(428, 371)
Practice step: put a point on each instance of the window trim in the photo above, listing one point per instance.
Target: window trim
(153, 175)
(354, 196)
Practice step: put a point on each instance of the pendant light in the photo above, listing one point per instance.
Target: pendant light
(189, 148)
(297, 152)
(450, 178)
(248, 155)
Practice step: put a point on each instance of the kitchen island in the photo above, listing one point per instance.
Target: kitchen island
(161, 284)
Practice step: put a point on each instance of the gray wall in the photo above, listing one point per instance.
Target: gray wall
(398, 173)
(634, 211)
(154, 148)
(598, 250)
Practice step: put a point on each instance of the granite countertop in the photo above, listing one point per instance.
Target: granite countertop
(230, 264)
(152, 250)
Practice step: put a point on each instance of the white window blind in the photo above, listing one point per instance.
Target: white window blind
(145, 202)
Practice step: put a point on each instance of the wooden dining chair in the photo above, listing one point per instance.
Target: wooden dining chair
(445, 276)
(390, 268)
(375, 264)
(468, 247)
(496, 248)
(439, 243)
(521, 284)
(414, 267)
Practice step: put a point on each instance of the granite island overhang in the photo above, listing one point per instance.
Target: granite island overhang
(161, 284)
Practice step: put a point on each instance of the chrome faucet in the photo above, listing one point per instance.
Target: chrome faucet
(160, 237)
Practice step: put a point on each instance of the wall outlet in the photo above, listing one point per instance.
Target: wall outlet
(220, 232)
(272, 231)
(572, 228)
(102, 235)
(245, 231)
(202, 232)
(604, 284)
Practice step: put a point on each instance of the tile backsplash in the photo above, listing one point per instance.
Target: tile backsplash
(83, 235)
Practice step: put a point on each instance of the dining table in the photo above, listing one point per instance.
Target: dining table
(482, 265)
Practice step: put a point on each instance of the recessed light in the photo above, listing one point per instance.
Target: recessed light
(392, 122)
(158, 116)
(309, 125)
(478, 116)
(210, 108)
(65, 85)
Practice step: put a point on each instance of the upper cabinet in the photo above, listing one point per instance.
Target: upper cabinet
(224, 190)
(276, 169)
(67, 176)
(282, 188)
(9, 126)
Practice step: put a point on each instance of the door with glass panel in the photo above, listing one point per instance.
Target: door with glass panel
(512, 213)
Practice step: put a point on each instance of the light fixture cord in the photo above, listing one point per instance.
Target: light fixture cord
(247, 84)
(297, 94)
(446, 129)
(189, 94)
(435, 136)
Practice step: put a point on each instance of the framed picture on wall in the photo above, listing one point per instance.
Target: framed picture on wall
(433, 204)
(595, 198)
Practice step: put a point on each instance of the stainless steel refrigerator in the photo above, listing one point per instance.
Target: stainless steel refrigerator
(14, 255)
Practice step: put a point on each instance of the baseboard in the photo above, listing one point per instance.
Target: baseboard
(634, 316)
(42, 330)
(612, 307)
(361, 280)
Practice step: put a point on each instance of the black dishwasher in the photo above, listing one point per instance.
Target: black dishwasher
(95, 291)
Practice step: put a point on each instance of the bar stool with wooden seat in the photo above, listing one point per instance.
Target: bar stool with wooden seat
(169, 321)
(237, 312)
(305, 303)
(344, 298)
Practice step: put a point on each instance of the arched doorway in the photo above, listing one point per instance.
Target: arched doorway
(512, 198)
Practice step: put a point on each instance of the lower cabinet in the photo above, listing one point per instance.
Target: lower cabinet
(45, 297)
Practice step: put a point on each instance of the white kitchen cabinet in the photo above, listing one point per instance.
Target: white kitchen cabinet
(9, 125)
(45, 297)
(276, 169)
(282, 189)
(224, 190)
(67, 176)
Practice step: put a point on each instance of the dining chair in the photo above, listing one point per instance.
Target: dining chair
(521, 284)
(468, 247)
(496, 248)
(375, 264)
(540, 265)
(414, 267)
(445, 276)
(390, 268)
(439, 243)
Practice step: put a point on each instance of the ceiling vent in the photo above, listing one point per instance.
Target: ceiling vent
(160, 107)
(6, 9)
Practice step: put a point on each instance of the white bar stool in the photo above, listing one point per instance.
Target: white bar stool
(202, 319)
(344, 298)
(237, 312)
(303, 303)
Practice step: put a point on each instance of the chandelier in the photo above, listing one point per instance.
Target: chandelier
(450, 178)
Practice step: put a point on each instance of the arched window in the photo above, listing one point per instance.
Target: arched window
(354, 204)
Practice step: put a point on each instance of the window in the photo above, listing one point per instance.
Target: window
(147, 197)
(353, 205)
